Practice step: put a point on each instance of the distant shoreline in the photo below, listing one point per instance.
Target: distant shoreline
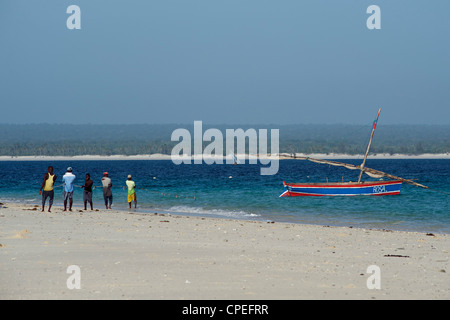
(282, 156)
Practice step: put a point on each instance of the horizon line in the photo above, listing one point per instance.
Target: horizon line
(219, 124)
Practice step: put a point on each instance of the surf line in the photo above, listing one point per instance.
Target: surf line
(164, 194)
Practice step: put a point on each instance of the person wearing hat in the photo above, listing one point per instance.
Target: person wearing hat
(131, 191)
(107, 192)
(68, 180)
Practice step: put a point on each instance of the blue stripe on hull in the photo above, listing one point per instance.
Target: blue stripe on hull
(343, 191)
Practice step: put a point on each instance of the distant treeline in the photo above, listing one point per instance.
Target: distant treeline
(70, 140)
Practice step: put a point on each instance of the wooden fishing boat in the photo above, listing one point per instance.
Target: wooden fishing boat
(342, 188)
(390, 187)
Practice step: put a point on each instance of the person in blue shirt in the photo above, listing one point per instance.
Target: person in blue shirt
(68, 180)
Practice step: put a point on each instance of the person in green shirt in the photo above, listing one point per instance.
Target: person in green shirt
(131, 191)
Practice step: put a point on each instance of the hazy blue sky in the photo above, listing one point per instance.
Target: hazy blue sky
(224, 61)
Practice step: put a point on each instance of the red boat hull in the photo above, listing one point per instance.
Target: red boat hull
(376, 188)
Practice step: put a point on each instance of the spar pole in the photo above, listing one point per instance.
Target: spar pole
(368, 146)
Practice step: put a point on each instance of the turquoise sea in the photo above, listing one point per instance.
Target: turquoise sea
(240, 192)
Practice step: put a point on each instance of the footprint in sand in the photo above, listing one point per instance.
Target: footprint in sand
(21, 234)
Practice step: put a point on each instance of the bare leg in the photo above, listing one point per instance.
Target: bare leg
(43, 202)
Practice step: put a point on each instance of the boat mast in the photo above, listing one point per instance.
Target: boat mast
(368, 146)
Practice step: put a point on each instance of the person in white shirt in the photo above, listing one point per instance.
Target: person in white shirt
(107, 192)
(68, 180)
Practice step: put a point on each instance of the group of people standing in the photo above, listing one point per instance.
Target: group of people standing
(68, 188)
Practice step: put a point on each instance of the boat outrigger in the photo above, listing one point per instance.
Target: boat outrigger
(391, 187)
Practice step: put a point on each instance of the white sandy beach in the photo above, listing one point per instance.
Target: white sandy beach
(131, 255)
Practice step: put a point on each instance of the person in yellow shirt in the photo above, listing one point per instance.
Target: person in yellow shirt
(47, 185)
(131, 191)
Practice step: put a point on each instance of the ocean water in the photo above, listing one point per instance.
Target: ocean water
(240, 192)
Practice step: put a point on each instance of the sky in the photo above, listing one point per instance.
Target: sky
(224, 62)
